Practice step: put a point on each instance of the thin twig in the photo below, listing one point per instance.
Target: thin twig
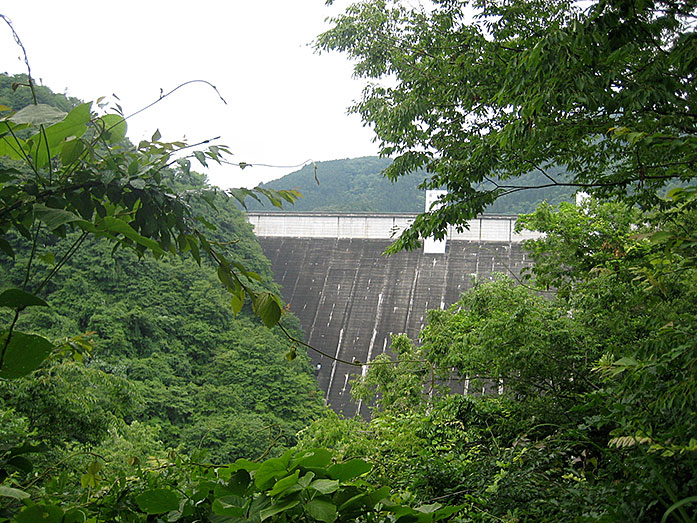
(68, 254)
(163, 96)
(18, 41)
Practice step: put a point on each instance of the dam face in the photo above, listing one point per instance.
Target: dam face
(350, 299)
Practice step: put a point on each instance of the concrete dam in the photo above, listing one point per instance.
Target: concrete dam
(350, 299)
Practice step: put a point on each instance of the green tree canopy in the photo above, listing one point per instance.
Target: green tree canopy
(471, 90)
(75, 171)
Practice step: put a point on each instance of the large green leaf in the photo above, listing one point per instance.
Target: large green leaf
(447, 511)
(71, 151)
(283, 485)
(230, 505)
(75, 124)
(227, 279)
(238, 301)
(15, 493)
(112, 224)
(6, 248)
(267, 473)
(23, 354)
(52, 139)
(349, 470)
(53, 218)
(267, 307)
(40, 513)
(12, 147)
(16, 298)
(277, 508)
(157, 501)
(325, 486)
(321, 510)
(113, 126)
(311, 458)
(38, 114)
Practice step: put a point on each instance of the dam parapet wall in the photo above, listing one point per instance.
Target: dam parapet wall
(375, 226)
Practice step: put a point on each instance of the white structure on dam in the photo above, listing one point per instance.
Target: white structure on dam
(371, 226)
(350, 299)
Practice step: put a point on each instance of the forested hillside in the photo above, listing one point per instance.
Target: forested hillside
(358, 185)
(205, 378)
(167, 350)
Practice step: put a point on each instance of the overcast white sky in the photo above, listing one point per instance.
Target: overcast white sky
(286, 104)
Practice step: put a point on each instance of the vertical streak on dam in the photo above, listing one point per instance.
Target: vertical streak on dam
(350, 299)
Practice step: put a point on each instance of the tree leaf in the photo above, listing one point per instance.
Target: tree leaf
(53, 218)
(227, 279)
(428, 509)
(277, 508)
(24, 353)
(230, 505)
(268, 471)
(12, 147)
(311, 458)
(238, 301)
(47, 257)
(115, 225)
(349, 470)
(72, 127)
(321, 510)
(284, 484)
(137, 183)
(16, 298)
(113, 126)
(10, 492)
(157, 501)
(38, 114)
(660, 236)
(6, 248)
(267, 307)
(325, 486)
(239, 482)
(201, 158)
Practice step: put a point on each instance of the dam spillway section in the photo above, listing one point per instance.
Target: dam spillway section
(350, 299)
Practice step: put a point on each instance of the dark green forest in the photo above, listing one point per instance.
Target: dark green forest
(358, 185)
(165, 335)
(150, 372)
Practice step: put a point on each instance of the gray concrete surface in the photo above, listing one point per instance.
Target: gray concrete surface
(350, 299)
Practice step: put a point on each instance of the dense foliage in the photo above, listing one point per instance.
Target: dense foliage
(580, 404)
(358, 185)
(113, 363)
(470, 90)
(580, 401)
(205, 378)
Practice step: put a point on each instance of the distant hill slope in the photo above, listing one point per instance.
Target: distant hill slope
(350, 185)
(357, 185)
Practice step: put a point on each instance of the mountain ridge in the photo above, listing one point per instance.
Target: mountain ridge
(357, 185)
